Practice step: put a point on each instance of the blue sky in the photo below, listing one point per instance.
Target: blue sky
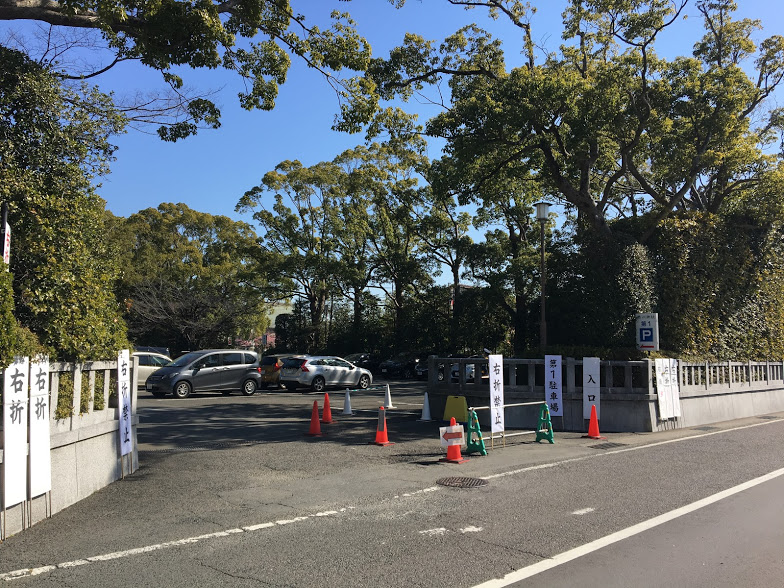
(211, 171)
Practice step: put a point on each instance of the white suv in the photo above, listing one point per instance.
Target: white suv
(318, 372)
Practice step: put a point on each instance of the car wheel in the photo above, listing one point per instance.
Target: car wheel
(364, 382)
(318, 384)
(249, 388)
(408, 374)
(288, 386)
(159, 394)
(265, 385)
(441, 376)
(182, 389)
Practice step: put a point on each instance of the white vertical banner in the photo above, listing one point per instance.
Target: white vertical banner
(15, 406)
(552, 384)
(124, 401)
(675, 389)
(40, 443)
(591, 388)
(496, 373)
(667, 388)
(7, 245)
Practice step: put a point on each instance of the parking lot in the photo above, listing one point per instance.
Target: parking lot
(214, 421)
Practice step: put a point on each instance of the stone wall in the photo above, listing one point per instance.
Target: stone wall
(85, 447)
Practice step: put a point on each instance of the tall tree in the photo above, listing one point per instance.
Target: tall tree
(51, 147)
(605, 124)
(298, 233)
(443, 230)
(191, 280)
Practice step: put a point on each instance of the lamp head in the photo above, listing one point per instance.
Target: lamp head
(542, 209)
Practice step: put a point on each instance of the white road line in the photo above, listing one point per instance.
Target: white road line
(28, 572)
(583, 511)
(577, 552)
(545, 466)
(471, 529)
(434, 532)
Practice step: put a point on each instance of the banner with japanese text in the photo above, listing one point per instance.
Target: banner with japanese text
(667, 388)
(591, 388)
(552, 384)
(496, 373)
(124, 401)
(15, 406)
(40, 441)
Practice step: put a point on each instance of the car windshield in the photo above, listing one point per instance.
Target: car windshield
(184, 360)
(353, 357)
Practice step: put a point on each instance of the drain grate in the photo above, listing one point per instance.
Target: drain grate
(607, 445)
(462, 482)
(768, 418)
(706, 428)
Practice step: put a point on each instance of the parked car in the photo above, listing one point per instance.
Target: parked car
(470, 369)
(369, 361)
(270, 366)
(318, 372)
(149, 362)
(422, 367)
(210, 370)
(403, 365)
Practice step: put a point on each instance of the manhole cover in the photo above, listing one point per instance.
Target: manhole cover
(608, 445)
(462, 482)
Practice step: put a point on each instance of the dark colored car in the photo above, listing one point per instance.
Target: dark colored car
(422, 367)
(403, 365)
(211, 370)
(369, 361)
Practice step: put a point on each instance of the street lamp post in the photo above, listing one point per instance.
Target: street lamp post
(542, 209)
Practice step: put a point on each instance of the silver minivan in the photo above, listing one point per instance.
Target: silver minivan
(211, 370)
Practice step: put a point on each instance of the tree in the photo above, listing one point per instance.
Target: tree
(443, 230)
(298, 242)
(256, 40)
(51, 147)
(605, 125)
(191, 279)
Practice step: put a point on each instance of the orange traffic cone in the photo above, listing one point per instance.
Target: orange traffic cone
(326, 416)
(315, 427)
(593, 426)
(381, 429)
(453, 454)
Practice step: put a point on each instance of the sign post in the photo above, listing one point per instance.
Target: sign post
(552, 384)
(648, 331)
(496, 380)
(591, 386)
(5, 235)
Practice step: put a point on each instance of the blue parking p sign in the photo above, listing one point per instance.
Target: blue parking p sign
(648, 331)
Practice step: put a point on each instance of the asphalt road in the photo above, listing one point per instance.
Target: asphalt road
(232, 492)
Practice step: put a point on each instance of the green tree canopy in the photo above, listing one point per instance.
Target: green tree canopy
(191, 280)
(605, 125)
(51, 146)
(254, 39)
